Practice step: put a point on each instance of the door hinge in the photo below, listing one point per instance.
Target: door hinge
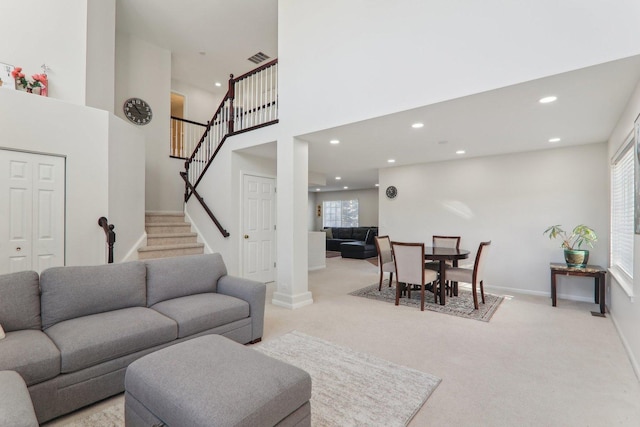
(274, 226)
(274, 265)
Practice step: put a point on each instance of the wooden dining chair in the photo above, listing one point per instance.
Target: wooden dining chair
(474, 276)
(444, 242)
(385, 258)
(409, 262)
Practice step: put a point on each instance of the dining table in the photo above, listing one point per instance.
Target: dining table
(442, 254)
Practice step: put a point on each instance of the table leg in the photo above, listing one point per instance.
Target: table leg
(596, 289)
(454, 285)
(442, 289)
(602, 283)
(553, 288)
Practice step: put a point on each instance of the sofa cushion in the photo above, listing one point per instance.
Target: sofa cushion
(70, 292)
(360, 233)
(20, 301)
(169, 278)
(197, 313)
(342, 232)
(90, 340)
(32, 354)
(16, 409)
(371, 234)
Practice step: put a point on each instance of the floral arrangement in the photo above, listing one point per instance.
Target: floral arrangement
(37, 84)
(18, 75)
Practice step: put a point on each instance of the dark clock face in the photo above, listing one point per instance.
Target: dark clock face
(137, 111)
(391, 191)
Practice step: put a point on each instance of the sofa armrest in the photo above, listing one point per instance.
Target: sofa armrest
(253, 292)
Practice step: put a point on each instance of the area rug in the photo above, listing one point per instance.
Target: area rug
(333, 254)
(461, 306)
(350, 388)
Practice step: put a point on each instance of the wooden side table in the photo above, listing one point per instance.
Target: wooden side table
(595, 271)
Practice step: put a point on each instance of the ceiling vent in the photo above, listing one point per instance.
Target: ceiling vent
(258, 58)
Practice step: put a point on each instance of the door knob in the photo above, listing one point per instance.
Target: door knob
(18, 249)
(246, 236)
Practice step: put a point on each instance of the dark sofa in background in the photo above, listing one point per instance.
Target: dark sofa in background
(352, 242)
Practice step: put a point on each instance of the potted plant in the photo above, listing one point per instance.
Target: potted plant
(572, 243)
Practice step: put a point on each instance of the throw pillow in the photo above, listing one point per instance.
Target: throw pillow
(1, 332)
(329, 233)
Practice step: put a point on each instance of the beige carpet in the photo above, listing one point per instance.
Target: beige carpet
(532, 365)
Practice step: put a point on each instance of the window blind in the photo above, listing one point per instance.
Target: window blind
(622, 206)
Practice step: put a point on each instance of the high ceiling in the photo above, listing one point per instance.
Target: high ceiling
(505, 120)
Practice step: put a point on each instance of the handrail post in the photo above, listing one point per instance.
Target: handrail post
(232, 94)
(187, 163)
(110, 234)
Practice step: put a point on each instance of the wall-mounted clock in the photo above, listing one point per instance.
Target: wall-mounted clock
(391, 192)
(137, 111)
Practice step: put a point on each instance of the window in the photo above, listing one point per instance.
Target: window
(340, 213)
(622, 232)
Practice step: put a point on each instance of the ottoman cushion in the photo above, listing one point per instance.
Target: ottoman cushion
(212, 380)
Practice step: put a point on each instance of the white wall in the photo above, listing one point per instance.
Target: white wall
(221, 188)
(49, 32)
(510, 200)
(200, 105)
(144, 71)
(367, 205)
(126, 188)
(100, 52)
(345, 61)
(623, 305)
(81, 134)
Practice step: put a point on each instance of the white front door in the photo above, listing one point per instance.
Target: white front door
(259, 236)
(32, 194)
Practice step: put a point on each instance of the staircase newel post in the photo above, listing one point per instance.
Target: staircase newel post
(186, 186)
(232, 94)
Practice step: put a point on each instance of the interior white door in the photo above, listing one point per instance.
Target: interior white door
(259, 228)
(32, 191)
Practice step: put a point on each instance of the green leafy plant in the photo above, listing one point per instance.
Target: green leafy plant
(580, 235)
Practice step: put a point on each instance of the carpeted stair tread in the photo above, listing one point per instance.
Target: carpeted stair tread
(158, 235)
(169, 247)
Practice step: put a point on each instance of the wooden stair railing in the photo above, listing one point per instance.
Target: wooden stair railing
(185, 135)
(224, 232)
(251, 102)
(110, 235)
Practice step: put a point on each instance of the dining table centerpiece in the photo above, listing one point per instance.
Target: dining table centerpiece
(572, 243)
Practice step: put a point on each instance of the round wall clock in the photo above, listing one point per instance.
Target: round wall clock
(391, 192)
(137, 111)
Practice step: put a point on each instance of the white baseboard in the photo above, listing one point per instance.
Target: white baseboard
(501, 289)
(627, 348)
(316, 267)
(132, 255)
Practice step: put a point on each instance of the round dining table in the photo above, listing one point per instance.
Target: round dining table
(434, 253)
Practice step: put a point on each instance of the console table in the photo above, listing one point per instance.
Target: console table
(595, 271)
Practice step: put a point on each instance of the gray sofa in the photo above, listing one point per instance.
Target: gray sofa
(72, 332)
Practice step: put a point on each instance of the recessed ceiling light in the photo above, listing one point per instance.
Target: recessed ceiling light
(338, 178)
(391, 161)
(218, 84)
(377, 185)
(317, 189)
(417, 125)
(460, 152)
(554, 140)
(334, 141)
(345, 187)
(547, 99)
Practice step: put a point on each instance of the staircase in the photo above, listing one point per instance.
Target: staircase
(169, 235)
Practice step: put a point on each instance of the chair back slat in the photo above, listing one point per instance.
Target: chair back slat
(409, 261)
(481, 257)
(446, 241)
(383, 245)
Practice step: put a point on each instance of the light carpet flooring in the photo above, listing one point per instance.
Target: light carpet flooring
(531, 365)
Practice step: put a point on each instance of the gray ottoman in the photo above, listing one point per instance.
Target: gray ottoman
(16, 409)
(214, 381)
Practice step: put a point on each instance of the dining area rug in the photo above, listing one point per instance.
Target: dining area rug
(461, 306)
